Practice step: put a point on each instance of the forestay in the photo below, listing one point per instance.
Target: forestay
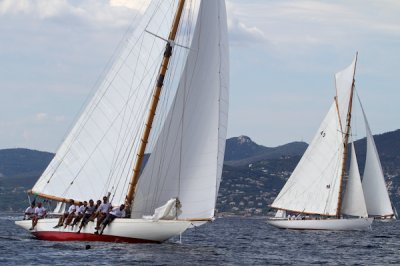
(97, 156)
(375, 191)
(187, 159)
(353, 199)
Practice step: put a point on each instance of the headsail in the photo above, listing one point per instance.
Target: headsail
(187, 159)
(314, 185)
(353, 200)
(375, 191)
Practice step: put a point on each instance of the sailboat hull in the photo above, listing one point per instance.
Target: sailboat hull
(324, 224)
(120, 230)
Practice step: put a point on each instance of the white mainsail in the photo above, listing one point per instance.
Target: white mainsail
(314, 185)
(375, 191)
(353, 199)
(344, 81)
(187, 159)
(97, 156)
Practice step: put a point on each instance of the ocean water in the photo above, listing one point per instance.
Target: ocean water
(227, 241)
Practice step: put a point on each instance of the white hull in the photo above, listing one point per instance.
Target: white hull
(323, 224)
(120, 230)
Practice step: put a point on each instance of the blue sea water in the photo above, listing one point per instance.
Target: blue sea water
(227, 241)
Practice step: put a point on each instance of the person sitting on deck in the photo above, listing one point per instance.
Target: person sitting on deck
(65, 214)
(30, 212)
(79, 212)
(40, 212)
(89, 211)
(71, 214)
(102, 212)
(117, 212)
(96, 209)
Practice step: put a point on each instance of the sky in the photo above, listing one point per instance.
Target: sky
(283, 57)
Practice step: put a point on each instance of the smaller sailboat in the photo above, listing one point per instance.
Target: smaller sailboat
(313, 198)
(374, 186)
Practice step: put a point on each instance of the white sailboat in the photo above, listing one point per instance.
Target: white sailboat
(131, 114)
(312, 196)
(373, 183)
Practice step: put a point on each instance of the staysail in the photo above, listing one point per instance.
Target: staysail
(375, 191)
(353, 199)
(187, 159)
(314, 185)
(97, 156)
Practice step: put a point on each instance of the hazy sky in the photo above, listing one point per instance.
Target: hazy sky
(283, 58)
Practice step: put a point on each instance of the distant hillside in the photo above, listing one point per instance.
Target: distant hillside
(242, 150)
(242, 147)
(252, 174)
(23, 162)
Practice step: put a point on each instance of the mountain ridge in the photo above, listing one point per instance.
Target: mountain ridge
(252, 175)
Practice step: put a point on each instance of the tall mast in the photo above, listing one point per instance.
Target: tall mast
(153, 104)
(346, 142)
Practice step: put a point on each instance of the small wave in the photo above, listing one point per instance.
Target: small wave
(381, 236)
(11, 238)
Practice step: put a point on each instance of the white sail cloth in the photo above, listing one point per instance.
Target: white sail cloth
(353, 199)
(187, 159)
(97, 156)
(314, 185)
(375, 191)
(344, 82)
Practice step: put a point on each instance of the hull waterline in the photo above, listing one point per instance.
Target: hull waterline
(120, 230)
(356, 224)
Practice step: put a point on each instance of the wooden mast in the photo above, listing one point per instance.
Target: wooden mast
(153, 105)
(346, 142)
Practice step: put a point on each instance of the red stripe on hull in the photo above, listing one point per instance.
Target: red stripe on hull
(67, 236)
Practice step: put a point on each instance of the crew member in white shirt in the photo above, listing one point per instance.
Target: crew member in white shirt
(88, 213)
(79, 212)
(40, 213)
(102, 212)
(65, 214)
(30, 212)
(71, 214)
(117, 212)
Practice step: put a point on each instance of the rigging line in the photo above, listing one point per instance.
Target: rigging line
(159, 187)
(85, 116)
(85, 104)
(137, 133)
(96, 84)
(118, 114)
(162, 184)
(126, 135)
(165, 101)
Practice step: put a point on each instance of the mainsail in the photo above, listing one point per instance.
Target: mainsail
(97, 155)
(375, 191)
(187, 159)
(353, 199)
(314, 185)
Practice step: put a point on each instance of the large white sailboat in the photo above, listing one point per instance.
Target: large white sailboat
(312, 198)
(166, 95)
